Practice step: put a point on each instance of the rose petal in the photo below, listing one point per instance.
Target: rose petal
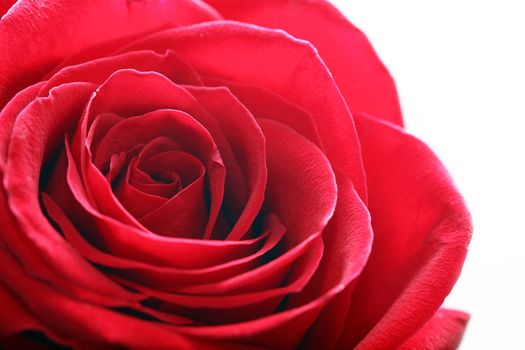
(348, 242)
(129, 93)
(286, 329)
(171, 166)
(442, 332)
(297, 265)
(298, 172)
(138, 187)
(146, 97)
(192, 137)
(64, 27)
(243, 303)
(140, 194)
(363, 79)
(248, 147)
(183, 215)
(90, 326)
(277, 62)
(135, 244)
(313, 179)
(265, 104)
(14, 317)
(99, 70)
(9, 114)
(166, 278)
(27, 231)
(422, 230)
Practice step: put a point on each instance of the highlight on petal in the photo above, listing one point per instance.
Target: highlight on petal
(421, 233)
(442, 332)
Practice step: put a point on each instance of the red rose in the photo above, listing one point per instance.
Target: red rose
(172, 179)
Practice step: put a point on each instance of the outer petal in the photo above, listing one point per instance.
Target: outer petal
(363, 79)
(443, 332)
(36, 35)
(422, 230)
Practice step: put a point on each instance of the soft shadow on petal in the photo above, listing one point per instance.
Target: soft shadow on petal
(48, 256)
(248, 147)
(86, 325)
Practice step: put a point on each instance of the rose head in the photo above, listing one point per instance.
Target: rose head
(221, 175)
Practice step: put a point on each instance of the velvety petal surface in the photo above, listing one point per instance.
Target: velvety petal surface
(58, 29)
(245, 53)
(171, 183)
(442, 332)
(422, 230)
(348, 241)
(89, 326)
(26, 230)
(359, 73)
(165, 277)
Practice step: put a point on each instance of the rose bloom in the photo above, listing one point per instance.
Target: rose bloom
(179, 174)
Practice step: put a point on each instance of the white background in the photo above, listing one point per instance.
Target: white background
(459, 66)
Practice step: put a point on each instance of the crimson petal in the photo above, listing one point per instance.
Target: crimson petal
(245, 53)
(248, 146)
(363, 79)
(267, 105)
(422, 230)
(45, 253)
(165, 277)
(86, 325)
(442, 332)
(14, 316)
(94, 22)
(99, 70)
